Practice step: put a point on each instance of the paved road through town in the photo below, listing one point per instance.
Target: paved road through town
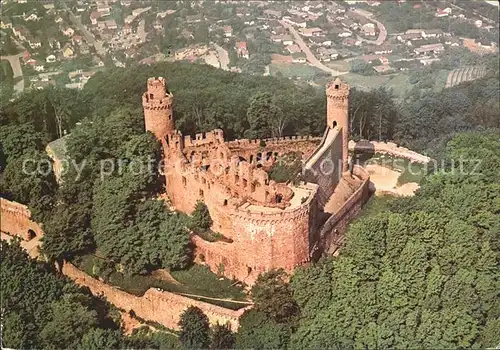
(310, 56)
(88, 35)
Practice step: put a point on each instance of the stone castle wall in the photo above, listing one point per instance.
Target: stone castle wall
(15, 220)
(253, 150)
(388, 148)
(332, 232)
(278, 239)
(158, 306)
(319, 169)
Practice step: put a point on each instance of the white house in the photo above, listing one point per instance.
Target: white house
(432, 33)
(431, 48)
(344, 33)
(287, 40)
(31, 17)
(34, 43)
(68, 31)
(296, 21)
(369, 29)
(299, 58)
(50, 59)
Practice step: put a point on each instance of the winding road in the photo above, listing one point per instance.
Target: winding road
(310, 56)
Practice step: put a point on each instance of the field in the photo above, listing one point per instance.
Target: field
(293, 70)
(440, 80)
(366, 83)
(340, 65)
(460, 75)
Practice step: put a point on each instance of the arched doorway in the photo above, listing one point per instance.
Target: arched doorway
(30, 235)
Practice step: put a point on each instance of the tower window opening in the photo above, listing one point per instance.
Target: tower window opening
(334, 124)
(201, 193)
(225, 201)
(31, 235)
(279, 198)
(150, 96)
(245, 183)
(337, 87)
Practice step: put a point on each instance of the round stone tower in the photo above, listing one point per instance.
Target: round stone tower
(337, 114)
(157, 105)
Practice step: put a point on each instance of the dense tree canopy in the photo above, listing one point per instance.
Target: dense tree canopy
(42, 310)
(195, 329)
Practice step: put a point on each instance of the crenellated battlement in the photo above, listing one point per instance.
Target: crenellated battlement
(157, 105)
(271, 141)
(202, 139)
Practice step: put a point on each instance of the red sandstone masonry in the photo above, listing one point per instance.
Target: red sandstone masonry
(158, 306)
(15, 220)
(334, 228)
(388, 148)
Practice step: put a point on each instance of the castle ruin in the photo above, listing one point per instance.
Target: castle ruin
(268, 224)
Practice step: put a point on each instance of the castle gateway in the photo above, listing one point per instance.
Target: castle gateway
(268, 224)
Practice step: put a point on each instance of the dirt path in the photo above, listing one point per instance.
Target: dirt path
(310, 56)
(164, 275)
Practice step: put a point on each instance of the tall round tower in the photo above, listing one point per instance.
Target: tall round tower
(337, 114)
(157, 105)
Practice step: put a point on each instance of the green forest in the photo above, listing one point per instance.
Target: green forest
(419, 272)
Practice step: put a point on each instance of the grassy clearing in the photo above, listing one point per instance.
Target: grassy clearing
(341, 65)
(197, 280)
(399, 84)
(293, 70)
(366, 83)
(440, 80)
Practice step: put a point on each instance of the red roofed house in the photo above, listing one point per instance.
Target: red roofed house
(443, 13)
(76, 39)
(94, 16)
(241, 49)
(228, 31)
(127, 29)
